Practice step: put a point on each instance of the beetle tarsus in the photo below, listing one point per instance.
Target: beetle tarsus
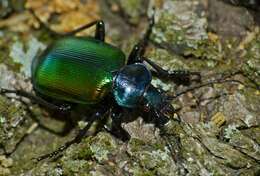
(100, 28)
(51, 155)
(77, 139)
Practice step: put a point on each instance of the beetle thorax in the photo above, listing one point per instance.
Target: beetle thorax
(130, 84)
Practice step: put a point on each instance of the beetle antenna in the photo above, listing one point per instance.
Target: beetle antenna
(217, 81)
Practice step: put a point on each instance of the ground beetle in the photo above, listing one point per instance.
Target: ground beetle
(86, 70)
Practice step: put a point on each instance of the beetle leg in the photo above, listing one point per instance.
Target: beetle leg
(116, 129)
(77, 139)
(183, 77)
(138, 50)
(36, 99)
(118, 132)
(134, 56)
(100, 28)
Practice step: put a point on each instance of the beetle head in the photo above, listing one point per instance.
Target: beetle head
(153, 99)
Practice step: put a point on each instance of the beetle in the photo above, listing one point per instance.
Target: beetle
(89, 71)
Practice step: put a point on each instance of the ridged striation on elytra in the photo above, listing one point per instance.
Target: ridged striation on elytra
(76, 69)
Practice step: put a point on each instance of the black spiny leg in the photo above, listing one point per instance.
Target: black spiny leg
(100, 28)
(139, 49)
(177, 76)
(116, 128)
(77, 139)
(38, 100)
(183, 77)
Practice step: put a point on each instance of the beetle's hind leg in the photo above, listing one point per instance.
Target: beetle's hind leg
(80, 135)
(116, 129)
(38, 100)
(99, 34)
(76, 139)
(100, 29)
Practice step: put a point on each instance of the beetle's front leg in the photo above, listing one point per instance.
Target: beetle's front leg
(183, 77)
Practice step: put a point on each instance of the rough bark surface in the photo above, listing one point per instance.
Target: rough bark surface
(219, 132)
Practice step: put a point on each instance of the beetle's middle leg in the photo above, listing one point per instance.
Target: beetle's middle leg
(184, 77)
(138, 50)
(99, 34)
(116, 129)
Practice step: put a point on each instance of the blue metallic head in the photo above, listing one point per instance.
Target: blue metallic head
(132, 88)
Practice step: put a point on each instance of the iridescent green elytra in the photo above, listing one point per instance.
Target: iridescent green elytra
(76, 69)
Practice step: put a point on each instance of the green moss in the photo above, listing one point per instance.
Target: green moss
(136, 144)
(251, 64)
(144, 173)
(5, 43)
(78, 167)
(103, 145)
(11, 130)
(152, 157)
